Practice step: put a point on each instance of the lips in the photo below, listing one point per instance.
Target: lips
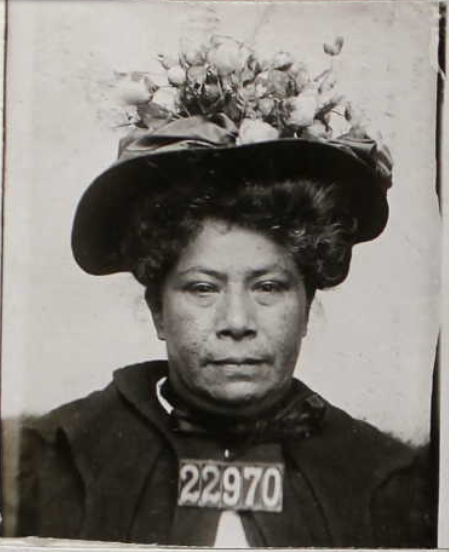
(236, 361)
(237, 369)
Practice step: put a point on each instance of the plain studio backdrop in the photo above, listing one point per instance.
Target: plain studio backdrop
(371, 342)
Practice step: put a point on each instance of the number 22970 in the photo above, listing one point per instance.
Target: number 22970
(236, 486)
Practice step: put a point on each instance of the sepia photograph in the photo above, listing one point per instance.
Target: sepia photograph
(221, 272)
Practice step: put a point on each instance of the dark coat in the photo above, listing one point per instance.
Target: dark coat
(105, 468)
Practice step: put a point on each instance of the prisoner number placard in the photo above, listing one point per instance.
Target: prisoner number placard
(231, 486)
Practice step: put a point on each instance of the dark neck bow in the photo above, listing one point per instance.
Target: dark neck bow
(299, 414)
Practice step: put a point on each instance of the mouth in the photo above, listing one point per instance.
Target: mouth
(237, 361)
(237, 370)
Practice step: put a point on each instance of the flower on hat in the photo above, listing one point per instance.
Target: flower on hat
(226, 77)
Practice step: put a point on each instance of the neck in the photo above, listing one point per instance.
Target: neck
(227, 413)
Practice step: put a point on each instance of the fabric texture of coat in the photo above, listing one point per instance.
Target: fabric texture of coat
(105, 468)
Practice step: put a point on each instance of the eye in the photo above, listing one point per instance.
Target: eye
(271, 287)
(201, 289)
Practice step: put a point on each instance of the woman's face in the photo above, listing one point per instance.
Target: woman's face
(233, 313)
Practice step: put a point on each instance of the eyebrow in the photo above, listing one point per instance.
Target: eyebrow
(203, 270)
(255, 273)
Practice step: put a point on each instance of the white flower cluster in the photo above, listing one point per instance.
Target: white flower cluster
(261, 100)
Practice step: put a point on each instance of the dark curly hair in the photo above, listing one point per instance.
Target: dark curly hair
(309, 218)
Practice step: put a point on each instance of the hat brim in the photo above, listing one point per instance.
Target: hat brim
(103, 212)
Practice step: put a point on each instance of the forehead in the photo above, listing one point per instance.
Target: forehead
(227, 246)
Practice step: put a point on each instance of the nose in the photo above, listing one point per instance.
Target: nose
(236, 316)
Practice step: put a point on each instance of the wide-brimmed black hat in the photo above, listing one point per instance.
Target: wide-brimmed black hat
(227, 117)
(199, 150)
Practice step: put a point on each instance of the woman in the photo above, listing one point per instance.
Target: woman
(231, 213)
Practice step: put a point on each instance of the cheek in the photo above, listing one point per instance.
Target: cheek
(287, 331)
(291, 321)
(185, 332)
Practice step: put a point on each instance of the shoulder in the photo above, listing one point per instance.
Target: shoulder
(84, 433)
(363, 438)
(97, 410)
(373, 486)
(347, 438)
(66, 450)
(373, 453)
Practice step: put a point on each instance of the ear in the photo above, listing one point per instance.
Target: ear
(155, 306)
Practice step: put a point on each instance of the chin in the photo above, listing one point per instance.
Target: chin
(240, 397)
